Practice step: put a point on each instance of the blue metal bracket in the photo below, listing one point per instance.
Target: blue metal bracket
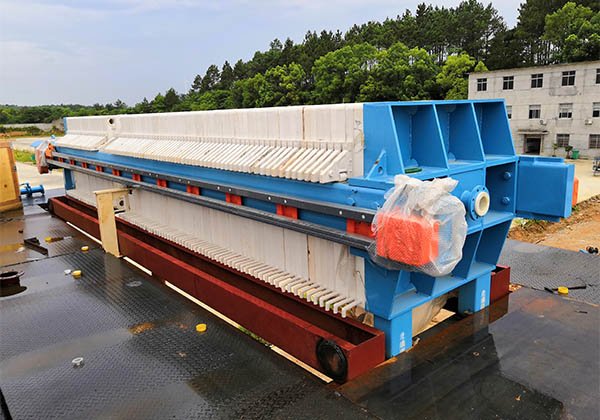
(544, 188)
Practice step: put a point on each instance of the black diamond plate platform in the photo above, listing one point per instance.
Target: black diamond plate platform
(34, 222)
(142, 355)
(538, 266)
(532, 355)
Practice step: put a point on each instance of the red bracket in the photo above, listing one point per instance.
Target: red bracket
(287, 211)
(84, 165)
(136, 177)
(72, 161)
(116, 172)
(232, 198)
(191, 189)
(161, 183)
(360, 228)
(99, 168)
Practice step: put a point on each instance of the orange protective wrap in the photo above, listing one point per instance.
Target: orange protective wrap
(575, 191)
(409, 240)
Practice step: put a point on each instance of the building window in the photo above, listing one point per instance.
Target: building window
(481, 85)
(594, 141)
(508, 82)
(509, 111)
(565, 111)
(562, 140)
(596, 110)
(537, 80)
(568, 78)
(535, 111)
(598, 76)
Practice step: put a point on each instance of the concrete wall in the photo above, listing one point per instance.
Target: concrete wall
(42, 126)
(582, 95)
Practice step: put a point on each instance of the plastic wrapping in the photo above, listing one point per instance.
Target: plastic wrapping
(421, 227)
(41, 154)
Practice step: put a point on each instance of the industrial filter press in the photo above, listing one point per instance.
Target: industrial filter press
(335, 232)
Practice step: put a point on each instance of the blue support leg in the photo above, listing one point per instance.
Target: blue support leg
(475, 295)
(398, 333)
(69, 179)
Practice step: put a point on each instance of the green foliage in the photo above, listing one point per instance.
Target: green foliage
(227, 76)
(574, 32)
(172, 99)
(23, 156)
(340, 74)
(453, 78)
(423, 54)
(480, 67)
(214, 99)
(284, 85)
(400, 73)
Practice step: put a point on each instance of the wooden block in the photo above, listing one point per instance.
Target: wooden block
(106, 219)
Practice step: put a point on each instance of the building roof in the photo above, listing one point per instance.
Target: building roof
(549, 67)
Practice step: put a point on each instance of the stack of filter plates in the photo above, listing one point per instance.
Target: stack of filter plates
(320, 271)
(304, 288)
(319, 143)
(81, 141)
(85, 185)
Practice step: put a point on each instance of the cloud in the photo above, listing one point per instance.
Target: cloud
(90, 51)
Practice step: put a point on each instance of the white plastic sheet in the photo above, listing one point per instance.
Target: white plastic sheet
(40, 157)
(421, 227)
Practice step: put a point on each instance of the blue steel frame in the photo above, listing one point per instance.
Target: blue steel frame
(469, 141)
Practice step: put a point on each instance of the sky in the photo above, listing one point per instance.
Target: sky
(89, 51)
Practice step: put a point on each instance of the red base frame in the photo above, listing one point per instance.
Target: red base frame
(500, 283)
(280, 318)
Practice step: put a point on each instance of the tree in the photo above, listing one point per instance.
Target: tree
(574, 32)
(289, 53)
(475, 27)
(505, 51)
(239, 70)
(143, 107)
(210, 79)
(316, 45)
(197, 84)
(530, 28)
(158, 103)
(214, 99)
(400, 73)
(227, 77)
(119, 104)
(284, 85)
(453, 77)
(246, 92)
(480, 67)
(171, 99)
(340, 74)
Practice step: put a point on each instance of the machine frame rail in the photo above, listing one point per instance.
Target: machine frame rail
(354, 240)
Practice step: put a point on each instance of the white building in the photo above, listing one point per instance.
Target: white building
(547, 105)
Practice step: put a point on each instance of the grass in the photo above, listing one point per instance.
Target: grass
(23, 156)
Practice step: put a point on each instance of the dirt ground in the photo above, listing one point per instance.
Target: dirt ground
(577, 232)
